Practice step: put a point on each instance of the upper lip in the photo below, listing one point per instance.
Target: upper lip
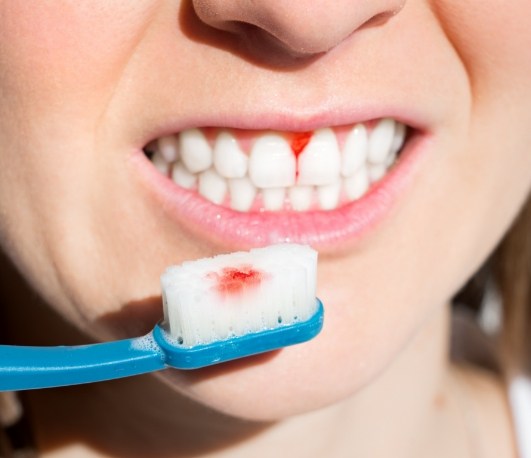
(289, 120)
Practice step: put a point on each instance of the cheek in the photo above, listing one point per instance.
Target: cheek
(489, 173)
(491, 39)
(59, 65)
(74, 47)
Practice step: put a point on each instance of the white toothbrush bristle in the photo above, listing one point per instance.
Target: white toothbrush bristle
(231, 295)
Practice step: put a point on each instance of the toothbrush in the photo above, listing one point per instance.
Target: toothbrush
(215, 310)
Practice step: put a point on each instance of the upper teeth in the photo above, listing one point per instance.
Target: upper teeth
(270, 176)
(320, 161)
(230, 161)
(272, 163)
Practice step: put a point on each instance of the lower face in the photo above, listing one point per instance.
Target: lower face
(401, 155)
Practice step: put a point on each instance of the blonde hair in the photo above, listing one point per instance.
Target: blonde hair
(504, 282)
(511, 271)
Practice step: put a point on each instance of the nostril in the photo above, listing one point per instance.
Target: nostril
(378, 19)
(273, 49)
(297, 28)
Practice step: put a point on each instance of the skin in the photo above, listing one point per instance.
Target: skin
(85, 83)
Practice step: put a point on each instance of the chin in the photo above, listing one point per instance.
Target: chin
(295, 380)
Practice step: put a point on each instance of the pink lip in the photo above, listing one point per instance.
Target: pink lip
(324, 230)
(415, 117)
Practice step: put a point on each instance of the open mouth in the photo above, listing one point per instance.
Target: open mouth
(244, 188)
(275, 171)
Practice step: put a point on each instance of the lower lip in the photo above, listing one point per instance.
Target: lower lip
(324, 230)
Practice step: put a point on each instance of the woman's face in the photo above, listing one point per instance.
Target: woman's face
(92, 223)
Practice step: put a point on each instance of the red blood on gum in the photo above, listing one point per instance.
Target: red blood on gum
(298, 143)
(235, 280)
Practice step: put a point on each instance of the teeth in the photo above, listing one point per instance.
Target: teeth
(396, 146)
(195, 150)
(300, 197)
(169, 148)
(160, 163)
(272, 163)
(242, 194)
(273, 198)
(181, 176)
(398, 140)
(320, 161)
(356, 185)
(376, 171)
(212, 186)
(355, 150)
(328, 195)
(322, 179)
(380, 142)
(229, 159)
(390, 160)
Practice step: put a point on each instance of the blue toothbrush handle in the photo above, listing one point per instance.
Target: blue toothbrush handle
(23, 368)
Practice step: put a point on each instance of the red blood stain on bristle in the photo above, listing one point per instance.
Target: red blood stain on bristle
(236, 280)
(298, 143)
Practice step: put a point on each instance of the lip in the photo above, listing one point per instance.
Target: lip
(324, 230)
(414, 116)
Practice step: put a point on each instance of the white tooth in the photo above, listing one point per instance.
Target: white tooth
(355, 150)
(169, 147)
(242, 194)
(356, 185)
(181, 176)
(272, 163)
(398, 142)
(212, 186)
(229, 159)
(195, 150)
(328, 195)
(273, 198)
(376, 171)
(380, 141)
(399, 137)
(300, 197)
(160, 163)
(390, 160)
(320, 161)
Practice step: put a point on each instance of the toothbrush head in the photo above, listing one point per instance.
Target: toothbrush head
(198, 356)
(239, 304)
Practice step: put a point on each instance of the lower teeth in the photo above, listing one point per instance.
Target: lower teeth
(241, 195)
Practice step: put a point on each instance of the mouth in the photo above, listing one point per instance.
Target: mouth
(254, 187)
(272, 171)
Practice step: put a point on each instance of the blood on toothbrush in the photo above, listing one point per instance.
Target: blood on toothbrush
(298, 143)
(235, 280)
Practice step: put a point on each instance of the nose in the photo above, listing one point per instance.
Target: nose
(299, 27)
